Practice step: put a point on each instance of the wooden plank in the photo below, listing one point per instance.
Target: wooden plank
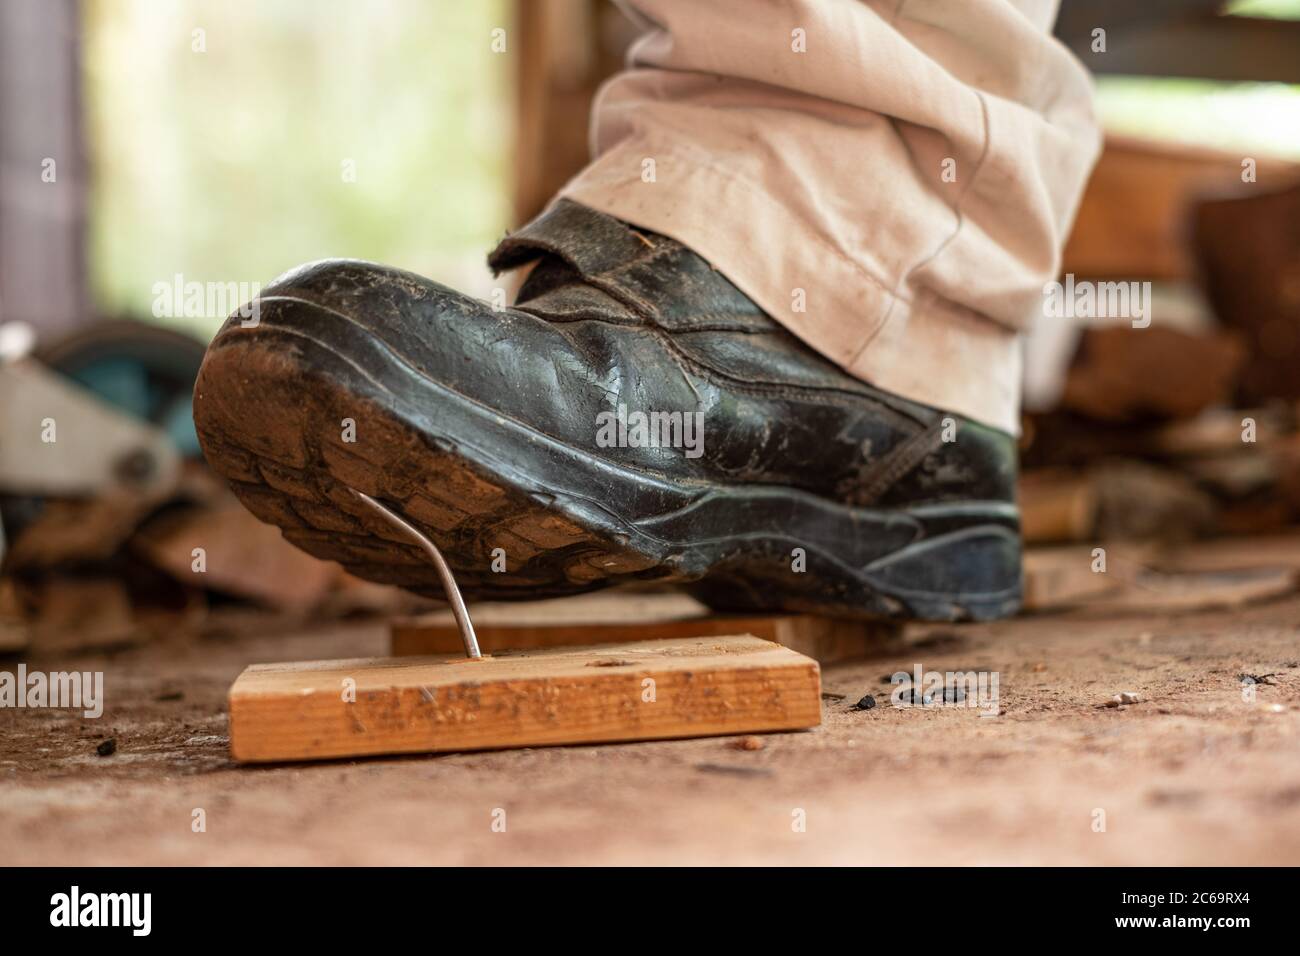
(1184, 591)
(609, 618)
(241, 556)
(1078, 18)
(1058, 578)
(1224, 554)
(645, 690)
(1233, 49)
(1140, 579)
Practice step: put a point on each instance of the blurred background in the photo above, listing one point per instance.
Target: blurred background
(233, 140)
(148, 146)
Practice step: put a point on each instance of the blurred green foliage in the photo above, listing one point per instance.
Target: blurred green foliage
(1261, 118)
(1275, 9)
(229, 164)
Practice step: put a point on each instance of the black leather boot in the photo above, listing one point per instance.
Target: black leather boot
(633, 417)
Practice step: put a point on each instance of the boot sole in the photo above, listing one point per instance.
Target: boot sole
(311, 403)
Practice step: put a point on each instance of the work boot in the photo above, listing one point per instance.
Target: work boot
(634, 417)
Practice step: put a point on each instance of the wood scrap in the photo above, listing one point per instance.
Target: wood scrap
(641, 690)
(1139, 579)
(1063, 577)
(1138, 501)
(1153, 591)
(1226, 554)
(1248, 248)
(1061, 439)
(1244, 462)
(79, 531)
(14, 631)
(1123, 374)
(240, 556)
(1220, 432)
(1116, 500)
(1056, 505)
(83, 614)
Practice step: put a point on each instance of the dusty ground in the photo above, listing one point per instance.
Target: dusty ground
(1193, 774)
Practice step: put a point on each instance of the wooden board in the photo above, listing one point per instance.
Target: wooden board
(606, 618)
(696, 688)
(242, 556)
(1140, 579)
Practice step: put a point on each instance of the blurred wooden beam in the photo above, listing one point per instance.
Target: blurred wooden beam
(567, 49)
(1233, 49)
(1077, 19)
(1192, 38)
(43, 180)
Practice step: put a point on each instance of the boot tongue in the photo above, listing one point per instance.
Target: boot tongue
(588, 242)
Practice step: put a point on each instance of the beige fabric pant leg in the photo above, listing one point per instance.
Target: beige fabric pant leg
(892, 180)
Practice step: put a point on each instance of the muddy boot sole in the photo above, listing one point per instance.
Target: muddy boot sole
(311, 403)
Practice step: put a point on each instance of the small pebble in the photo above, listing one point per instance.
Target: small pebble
(1128, 698)
(107, 748)
(749, 743)
(866, 703)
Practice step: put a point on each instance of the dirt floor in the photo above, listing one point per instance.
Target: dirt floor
(1194, 773)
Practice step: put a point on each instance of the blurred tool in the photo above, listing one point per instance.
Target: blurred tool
(106, 409)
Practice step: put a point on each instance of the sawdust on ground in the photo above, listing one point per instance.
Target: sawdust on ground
(1193, 774)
